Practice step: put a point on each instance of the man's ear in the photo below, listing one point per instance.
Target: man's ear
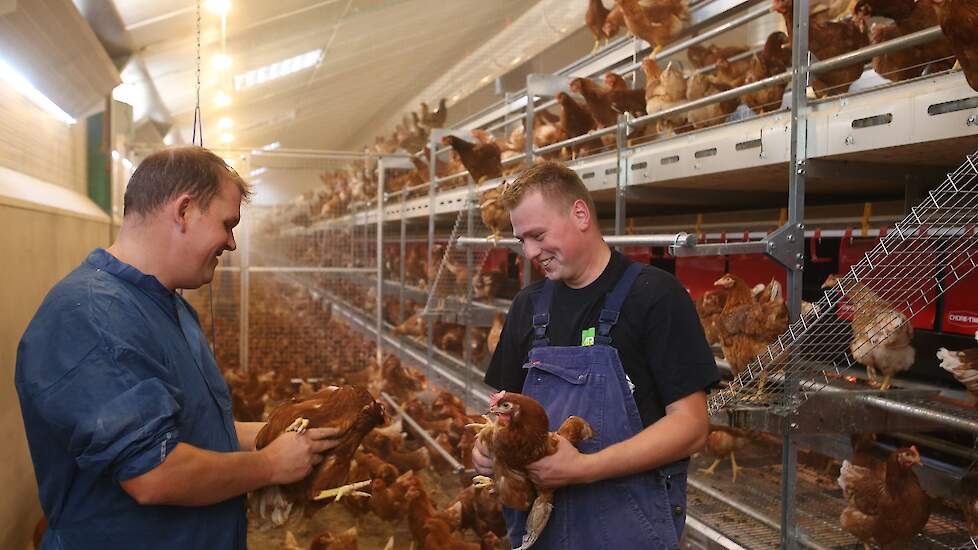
(181, 211)
(581, 214)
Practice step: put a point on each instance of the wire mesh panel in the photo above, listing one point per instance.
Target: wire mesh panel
(864, 314)
(222, 297)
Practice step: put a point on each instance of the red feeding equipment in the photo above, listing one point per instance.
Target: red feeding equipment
(961, 301)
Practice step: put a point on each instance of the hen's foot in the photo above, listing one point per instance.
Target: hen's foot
(298, 426)
(537, 519)
(344, 491)
(484, 482)
(713, 468)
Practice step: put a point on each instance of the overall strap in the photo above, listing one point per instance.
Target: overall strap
(541, 314)
(612, 304)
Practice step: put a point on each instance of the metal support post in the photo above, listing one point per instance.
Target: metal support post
(796, 242)
(403, 250)
(622, 179)
(469, 298)
(244, 248)
(528, 125)
(429, 322)
(381, 178)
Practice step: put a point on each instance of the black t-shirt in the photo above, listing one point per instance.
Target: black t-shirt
(658, 336)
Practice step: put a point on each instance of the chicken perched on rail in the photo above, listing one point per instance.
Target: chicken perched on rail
(882, 336)
(487, 284)
(746, 326)
(482, 160)
(664, 89)
(729, 72)
(614, 21)
(353, 411)
(575, 121)
(434, 119)
(773, 59)
(624, 99)
(702, 85)
(723, 442)
(829, 38)
(886, 505)
(518, 437)
(963, 365)
(495, 216)
(958, 19)
(595, 18)
(596, 100)
(909, 62)
(658, 22)
(708, 308)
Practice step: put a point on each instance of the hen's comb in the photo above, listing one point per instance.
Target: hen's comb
(494, 398)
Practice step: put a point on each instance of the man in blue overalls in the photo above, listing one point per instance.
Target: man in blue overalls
(127, 416)
(617, 343)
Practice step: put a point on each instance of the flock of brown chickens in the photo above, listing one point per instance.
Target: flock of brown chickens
(836, 27)
(885, 502)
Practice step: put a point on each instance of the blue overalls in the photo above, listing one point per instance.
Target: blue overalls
(645, 510)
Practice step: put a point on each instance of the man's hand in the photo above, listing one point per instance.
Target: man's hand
(482, 459)
(292, 455)
(567, 466)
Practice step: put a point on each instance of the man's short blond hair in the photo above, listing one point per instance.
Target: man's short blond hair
(554, 180)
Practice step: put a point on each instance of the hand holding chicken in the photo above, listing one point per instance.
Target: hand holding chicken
(517, 439)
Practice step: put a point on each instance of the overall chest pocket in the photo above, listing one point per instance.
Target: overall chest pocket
(565, 391)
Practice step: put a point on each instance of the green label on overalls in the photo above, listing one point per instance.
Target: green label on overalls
(587, 337)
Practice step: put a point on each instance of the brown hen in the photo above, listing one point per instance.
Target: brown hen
(886, 505)
(575, 121)
(959, 19)
(482, 160)
(495, 216)
(773, 59)
(723, 442)
(520, 436)
(830, 38)
(352, 411)
(664, 89)
(658, 22)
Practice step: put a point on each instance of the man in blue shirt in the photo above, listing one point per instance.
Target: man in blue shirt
(127, 416)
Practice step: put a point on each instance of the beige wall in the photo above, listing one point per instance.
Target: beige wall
(43, 248)
(38, 248)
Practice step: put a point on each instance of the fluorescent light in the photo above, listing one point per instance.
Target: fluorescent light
(127, 163)
(276, 70)
(116, 155)
(258, 171)
(271, 146)
(22, 85)
(227, 137)
(222, 99)
(225, 122)
(219, 7)
(221, 61)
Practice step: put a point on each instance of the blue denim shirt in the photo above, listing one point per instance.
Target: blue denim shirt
(112, 372)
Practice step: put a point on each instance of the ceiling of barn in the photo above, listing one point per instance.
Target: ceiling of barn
(377, 56)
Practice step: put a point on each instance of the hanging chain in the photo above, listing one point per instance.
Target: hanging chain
(198, 129)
